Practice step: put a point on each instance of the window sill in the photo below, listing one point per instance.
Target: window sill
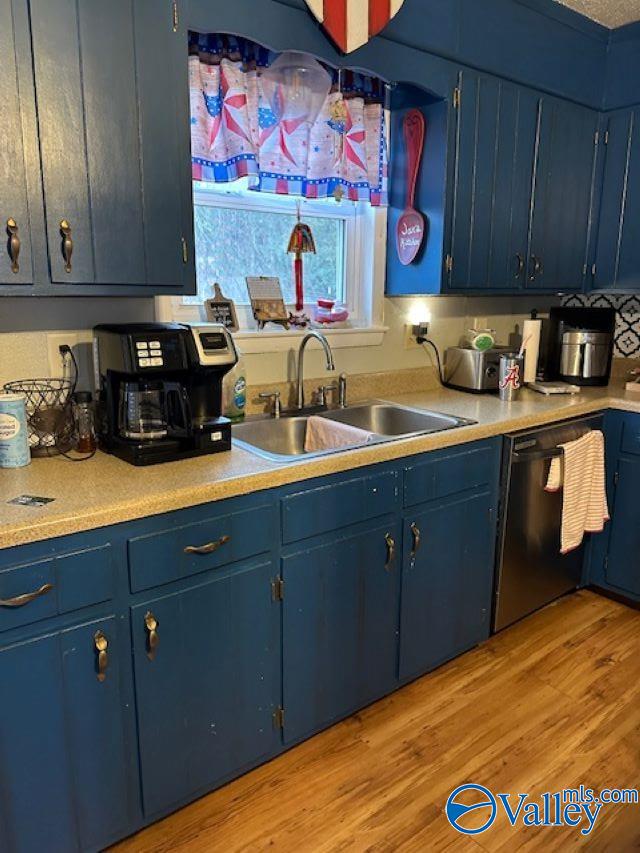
(275, 340)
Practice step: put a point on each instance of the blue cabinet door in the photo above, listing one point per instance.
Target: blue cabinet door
(495, 136)
(207, 692)
(113, 124)
(622, 563)
(564, 175)
(61, 735)
(340, 626)
(618, 252)
(14, 208)
(165, 144)
(447, 581)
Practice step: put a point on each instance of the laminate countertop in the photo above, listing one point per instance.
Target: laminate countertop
(105, 490)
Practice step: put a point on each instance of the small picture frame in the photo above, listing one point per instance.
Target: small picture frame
(219, 309)
(267, 302)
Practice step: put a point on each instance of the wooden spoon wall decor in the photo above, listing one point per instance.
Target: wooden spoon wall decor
(410, 231)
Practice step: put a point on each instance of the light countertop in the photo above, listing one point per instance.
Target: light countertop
(105, 490)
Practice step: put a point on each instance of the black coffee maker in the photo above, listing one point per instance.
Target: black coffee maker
(160, 390)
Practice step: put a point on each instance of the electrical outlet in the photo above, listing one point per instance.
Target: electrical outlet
(58, 339)
(409, 340)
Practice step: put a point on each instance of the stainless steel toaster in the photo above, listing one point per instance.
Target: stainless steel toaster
(469, 370)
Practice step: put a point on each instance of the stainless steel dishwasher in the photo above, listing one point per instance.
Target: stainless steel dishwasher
(531, 571)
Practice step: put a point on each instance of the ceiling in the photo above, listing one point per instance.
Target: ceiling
(610, 13)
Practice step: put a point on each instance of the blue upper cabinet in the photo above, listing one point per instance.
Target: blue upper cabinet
(16, 266)
(109, 81)
(522, 190)
(564, 173)
(494, 152)
(618, 253)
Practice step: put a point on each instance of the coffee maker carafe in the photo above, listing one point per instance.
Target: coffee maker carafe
(160, 390)
(153, 410)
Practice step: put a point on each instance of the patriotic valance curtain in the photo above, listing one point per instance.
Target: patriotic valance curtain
(235, 134)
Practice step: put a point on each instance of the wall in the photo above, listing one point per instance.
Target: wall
(25, 326)
(25, 322)
(622, 87)
(539, 43)
(450, 317)
(627, 334)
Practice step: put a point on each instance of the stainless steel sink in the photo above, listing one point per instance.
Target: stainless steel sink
(389, 420)
(282, 439)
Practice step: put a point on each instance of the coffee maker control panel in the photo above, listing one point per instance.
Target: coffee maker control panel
(149, 354)
(214, 345)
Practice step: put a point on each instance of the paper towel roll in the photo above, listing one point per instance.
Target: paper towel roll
(531, 331)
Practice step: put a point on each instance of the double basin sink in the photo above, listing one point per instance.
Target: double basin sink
(282, 439)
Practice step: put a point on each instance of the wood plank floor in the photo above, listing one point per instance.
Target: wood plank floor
(550, 703)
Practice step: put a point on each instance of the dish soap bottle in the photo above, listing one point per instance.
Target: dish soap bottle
(234, 391)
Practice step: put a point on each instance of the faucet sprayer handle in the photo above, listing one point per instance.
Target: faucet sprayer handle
(342, 390)
(323, 391)
(275, 396)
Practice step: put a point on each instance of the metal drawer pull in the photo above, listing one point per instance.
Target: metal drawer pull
(537, 267)
(209, 548)
(391, 550)
(520, 264)
(14, 244)
(67, 244)
(417, 539)
(21, 600)
(101, 645)
(153, 639)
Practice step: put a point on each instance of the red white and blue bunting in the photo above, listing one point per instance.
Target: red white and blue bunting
(235, 134)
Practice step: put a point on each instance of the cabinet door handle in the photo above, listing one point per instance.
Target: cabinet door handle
(102, 656)
(209, 548)
(21, 600)
(519, 265)
(391, 551)
(67, 244)
(417, 539)
(536, 264)
(153, 639)
(14, 244)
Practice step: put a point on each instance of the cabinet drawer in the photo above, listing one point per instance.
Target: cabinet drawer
(169, 555)
(448, 474)
(337, 505)
(53, 586)
(631, 436)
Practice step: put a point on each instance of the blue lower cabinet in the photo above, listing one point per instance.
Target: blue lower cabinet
(614, 559)
(207, 673)
(622, 564)
(447, 581)
(62, 740)
(340, 626)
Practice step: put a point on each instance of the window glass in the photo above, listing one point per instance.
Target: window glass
(234, 242)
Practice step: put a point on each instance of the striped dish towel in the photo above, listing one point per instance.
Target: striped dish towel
(581, 472)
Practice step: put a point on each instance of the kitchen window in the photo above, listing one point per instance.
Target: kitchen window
(240, 233)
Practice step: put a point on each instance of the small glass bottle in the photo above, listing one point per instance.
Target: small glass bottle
(84, 422)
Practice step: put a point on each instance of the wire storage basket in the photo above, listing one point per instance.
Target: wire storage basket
(49, 413)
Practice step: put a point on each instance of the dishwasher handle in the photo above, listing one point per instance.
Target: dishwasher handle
(537, 455)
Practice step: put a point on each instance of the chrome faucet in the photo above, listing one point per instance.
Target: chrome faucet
(330, 365)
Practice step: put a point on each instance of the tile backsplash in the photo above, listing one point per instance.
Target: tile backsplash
(627, 334)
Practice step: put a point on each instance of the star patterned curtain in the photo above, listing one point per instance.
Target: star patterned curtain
(235, 134)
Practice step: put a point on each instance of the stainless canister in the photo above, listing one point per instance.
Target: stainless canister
(585, 355)
(14, 436)
(511, 375)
